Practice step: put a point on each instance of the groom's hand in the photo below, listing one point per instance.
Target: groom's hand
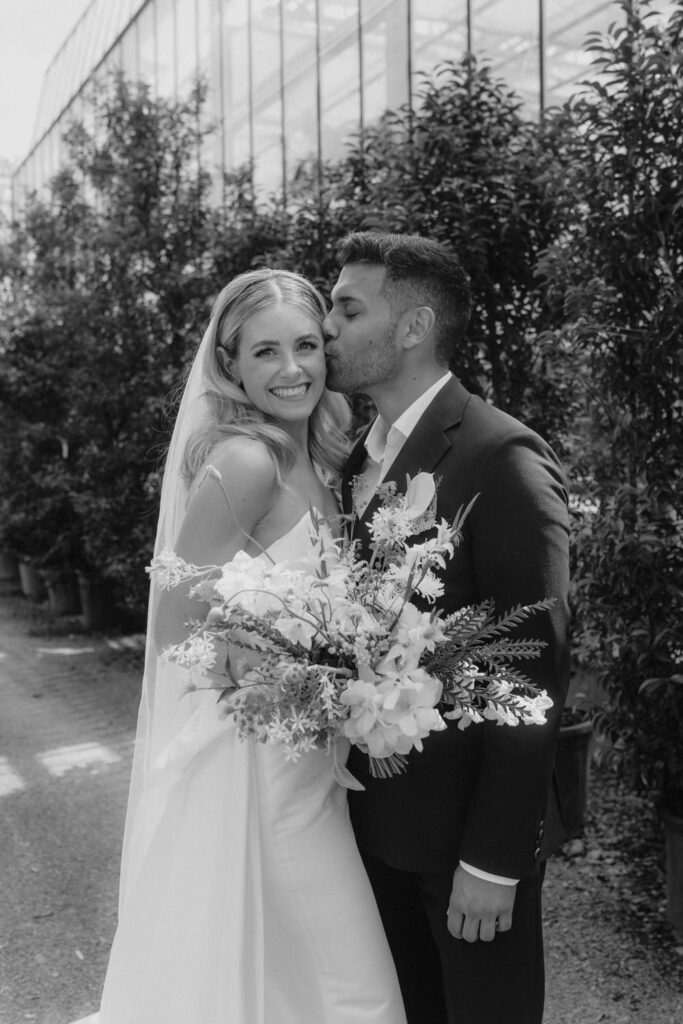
(478, 908)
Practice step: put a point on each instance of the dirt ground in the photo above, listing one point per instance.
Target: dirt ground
(610, 954)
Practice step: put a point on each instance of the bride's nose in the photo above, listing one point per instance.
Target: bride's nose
(290, 366)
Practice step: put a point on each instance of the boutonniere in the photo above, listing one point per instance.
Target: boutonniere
(360, 492)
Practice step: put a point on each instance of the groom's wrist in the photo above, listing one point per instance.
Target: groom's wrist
(487, 876)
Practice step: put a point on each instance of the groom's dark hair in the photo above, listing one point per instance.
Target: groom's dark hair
(419, 272)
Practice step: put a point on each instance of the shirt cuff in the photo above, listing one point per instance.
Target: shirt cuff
(487, 876)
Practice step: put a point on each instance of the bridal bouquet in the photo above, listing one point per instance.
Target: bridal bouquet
(333, 645)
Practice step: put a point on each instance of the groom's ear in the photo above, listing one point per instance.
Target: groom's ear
(418, 326)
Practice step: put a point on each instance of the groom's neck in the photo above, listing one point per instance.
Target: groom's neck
(393, 397)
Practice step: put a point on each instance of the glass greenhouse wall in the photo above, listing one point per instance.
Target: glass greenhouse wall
(293, 79)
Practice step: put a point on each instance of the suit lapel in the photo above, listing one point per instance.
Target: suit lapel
(423, 451)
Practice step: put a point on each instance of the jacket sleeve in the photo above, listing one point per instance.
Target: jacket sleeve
(519, 532)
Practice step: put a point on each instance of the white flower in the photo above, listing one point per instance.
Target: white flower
(351, 619)
(390, 525)
(464, 716)
(168, 569)
(430, 587)
(420, 494)
(298, 630)
(392, 712)
(197, 652)
(419, 630)
(536, 708)
(239, 576)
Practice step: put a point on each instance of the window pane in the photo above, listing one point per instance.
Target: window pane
(508, 34)
(186, 56)
(129, 53)
(147, 47)
(339, 75)
(235, 77)
(439, 33)
(301, 84)
(385, 56)
(567, 24)
(209, 57)
(166, 45)
(267, 101)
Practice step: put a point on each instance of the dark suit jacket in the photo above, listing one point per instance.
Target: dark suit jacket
(483, 794)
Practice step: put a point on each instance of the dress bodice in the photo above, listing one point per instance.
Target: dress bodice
(298, 544)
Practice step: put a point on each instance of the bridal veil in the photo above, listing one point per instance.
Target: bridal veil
(186, 870)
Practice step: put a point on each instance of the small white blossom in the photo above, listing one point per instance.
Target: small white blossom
(197, 652)
(168, 569)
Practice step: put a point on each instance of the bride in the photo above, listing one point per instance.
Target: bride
(243, 898)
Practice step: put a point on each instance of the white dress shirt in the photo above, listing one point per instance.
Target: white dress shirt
(382, 445)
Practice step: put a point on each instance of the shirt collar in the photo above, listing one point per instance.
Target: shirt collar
(380, 436)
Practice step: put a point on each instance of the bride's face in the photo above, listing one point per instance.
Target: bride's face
(281, 362)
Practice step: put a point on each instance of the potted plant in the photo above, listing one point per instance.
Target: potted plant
(59, 561)
(664, 694)
(26, 538)
(630, 611)
(572, 763)
(95, 598)
(9, 567)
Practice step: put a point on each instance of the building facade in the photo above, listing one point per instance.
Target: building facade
(293, 79)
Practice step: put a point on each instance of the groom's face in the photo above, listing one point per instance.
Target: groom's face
(360, 331)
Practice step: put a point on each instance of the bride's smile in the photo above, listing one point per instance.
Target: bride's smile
(281, 362)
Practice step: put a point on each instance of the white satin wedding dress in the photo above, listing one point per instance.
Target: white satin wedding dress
(248, 903)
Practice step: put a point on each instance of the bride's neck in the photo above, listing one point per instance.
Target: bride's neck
(299, 435)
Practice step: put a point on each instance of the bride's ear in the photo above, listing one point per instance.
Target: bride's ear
(227, 366)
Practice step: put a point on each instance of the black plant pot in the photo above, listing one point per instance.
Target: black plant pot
(9, 569)
(62, 592)
(31, 583)
(673, 835)
(572, 769)
(95, 600)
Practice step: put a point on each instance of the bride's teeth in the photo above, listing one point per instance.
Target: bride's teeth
(300, 389)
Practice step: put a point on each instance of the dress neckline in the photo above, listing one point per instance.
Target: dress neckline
(292, 529)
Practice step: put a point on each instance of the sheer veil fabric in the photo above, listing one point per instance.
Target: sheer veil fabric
(166, 802)
(243, 898)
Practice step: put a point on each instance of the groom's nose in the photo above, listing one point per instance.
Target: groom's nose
(328, 329)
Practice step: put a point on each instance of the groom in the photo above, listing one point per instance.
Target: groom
(455, 847)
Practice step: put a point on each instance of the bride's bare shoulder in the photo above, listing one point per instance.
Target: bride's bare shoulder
(233, 491)
(243, 454)
(244, 469)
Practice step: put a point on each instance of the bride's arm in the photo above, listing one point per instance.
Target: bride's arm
(214, 530)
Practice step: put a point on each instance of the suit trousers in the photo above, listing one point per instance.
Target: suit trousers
(450, 981)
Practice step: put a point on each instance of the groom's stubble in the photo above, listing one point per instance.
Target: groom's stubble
(366, 365)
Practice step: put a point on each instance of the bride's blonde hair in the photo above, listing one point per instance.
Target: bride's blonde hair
(230, 413)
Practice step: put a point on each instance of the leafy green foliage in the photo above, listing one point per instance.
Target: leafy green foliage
(108, 284)
(570, 230)
(614, 274)
(464, 166)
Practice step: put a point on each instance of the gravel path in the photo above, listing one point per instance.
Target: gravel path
(610, 955)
